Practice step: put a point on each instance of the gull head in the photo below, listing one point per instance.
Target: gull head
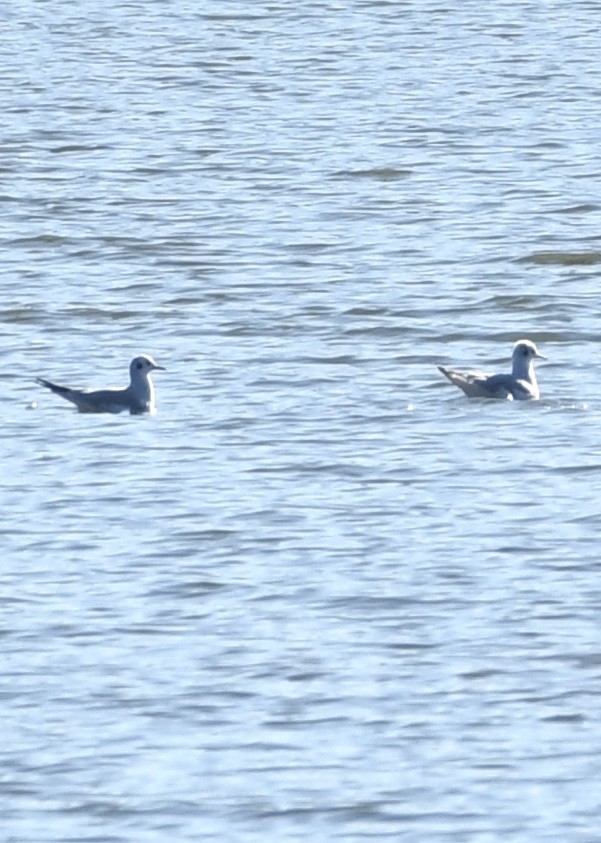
(142, 366)
(524, 355)
(525, 350)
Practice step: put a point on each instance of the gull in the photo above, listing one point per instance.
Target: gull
(520, 385)
(138, 397)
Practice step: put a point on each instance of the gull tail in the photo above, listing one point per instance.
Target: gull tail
(455, 377)
(467, 382)
(54, 387)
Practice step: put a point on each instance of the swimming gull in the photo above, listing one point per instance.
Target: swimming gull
(138, 397)
(520, 385)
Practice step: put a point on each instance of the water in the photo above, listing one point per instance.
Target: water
(320, 595)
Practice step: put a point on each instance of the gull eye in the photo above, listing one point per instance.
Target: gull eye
(526, 351)
(139, 365)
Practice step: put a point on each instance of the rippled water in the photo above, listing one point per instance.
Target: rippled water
(320, 595)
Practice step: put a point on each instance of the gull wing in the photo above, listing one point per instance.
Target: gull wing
(92, 400)
(477, 384)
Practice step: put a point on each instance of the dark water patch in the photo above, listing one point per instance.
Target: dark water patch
(340, 360)
(376, 173)
(570, 470)
(562, 258)
(98, 314)
(188, 589)
(515, 302)
(365, 310)
(41, 240)
(565, 718)
(585, 208)
(484, 673)
(67, 148)
(22, 314)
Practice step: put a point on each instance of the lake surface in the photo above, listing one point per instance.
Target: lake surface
(320, 595)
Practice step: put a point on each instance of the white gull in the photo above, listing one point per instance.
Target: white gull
(138, 397)
(520, 385)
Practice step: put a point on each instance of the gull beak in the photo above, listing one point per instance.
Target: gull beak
(156, 366)
(540, 356)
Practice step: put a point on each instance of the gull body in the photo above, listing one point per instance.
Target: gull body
(136, 398)
(520, 385)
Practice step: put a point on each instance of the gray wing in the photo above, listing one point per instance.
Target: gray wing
(92, 401)
(103, 400)
(479, 384)
(515, 389)
(500, 386)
